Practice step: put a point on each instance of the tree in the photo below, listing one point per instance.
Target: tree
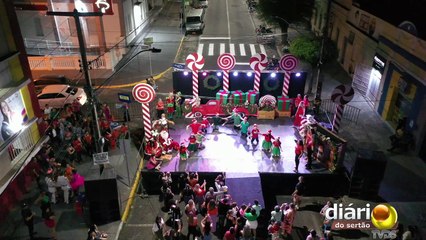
(285, 12)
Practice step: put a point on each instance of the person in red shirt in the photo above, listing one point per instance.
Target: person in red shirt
(230, 234)
(295, 105)
(88, 143)
(195, 126)
(267, 141)
(205, 122)
(276, 149)
(124, 130)
(306, 102)
(78, 146)
(160, 108)
(170, 103)
(298, 153)
(255, 134)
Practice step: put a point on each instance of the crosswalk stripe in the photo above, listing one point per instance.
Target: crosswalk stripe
(200, 48)
(211, 49)
(252, 49)
(222, 48)
(232, 49)
(262, 49)
(242, 50)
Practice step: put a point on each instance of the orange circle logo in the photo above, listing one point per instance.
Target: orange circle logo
(384, 216)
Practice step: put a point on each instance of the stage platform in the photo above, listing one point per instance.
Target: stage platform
(226, 151)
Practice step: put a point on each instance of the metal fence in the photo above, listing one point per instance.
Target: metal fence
(350, 113)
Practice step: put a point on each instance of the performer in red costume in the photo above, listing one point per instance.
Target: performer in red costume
(300, 114)
(267, 141)
(195, 126)
(167, 143)
(153, 149)
(295, 104)
(255, 134)
(205, 123)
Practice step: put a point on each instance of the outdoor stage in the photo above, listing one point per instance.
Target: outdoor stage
(226, 151)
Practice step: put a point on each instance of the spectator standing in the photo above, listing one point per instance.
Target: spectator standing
(64, 184)
(28, 217)
(158, 228)
(230, 234)
(299, 191)
(276, 214)
(251, 217)
(206, 228)
(50, 222)
(256, 206)
(191, 214)
(289, 215)
(312, 235)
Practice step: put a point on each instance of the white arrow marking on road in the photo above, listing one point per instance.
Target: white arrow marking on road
(200, 48)
(211, 49)
(242, 63)
(242, 50)
(262, 49)
(232, 49)
(222, 48)
(139, 225)
(252, 49)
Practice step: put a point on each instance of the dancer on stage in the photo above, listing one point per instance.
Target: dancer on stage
(298, 154)
(216, 122)
(244, 127)
(200, 137)
(205, 122)
(295, 104)
(237, 119)
(276, 149)
(267, 141)
(162, 124)
(195, 126)
(170, 103)
(183, 152)
(300, 114)
(178, 105)
(255, 134)
(192, 146)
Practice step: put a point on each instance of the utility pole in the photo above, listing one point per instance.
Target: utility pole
(89, 90)
(324, 38)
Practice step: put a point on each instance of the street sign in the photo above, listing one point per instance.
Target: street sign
(122, 97)
(148, 40)
(179, 65)
(100, 158)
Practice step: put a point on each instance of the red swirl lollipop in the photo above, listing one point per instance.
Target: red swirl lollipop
(288, 62)
(195, 61)
(143, 93)
(258, 62)
(226, 61)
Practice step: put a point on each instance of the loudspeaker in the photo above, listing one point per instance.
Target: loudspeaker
(102, 196)
(367, 174)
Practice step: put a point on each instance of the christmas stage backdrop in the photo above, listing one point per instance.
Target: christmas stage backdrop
(209, 83)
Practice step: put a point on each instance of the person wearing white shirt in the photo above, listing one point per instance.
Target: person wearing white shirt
(64, 184)
(257, 207)
(277, 214)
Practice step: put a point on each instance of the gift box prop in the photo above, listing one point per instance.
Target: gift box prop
(222, 96)
(284, 106)
(237, 97)
(252, 96)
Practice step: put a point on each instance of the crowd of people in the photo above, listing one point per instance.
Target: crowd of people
(55, 166)
(211, 210)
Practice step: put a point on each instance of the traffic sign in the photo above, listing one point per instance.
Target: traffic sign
(179, 65)
(100, 158)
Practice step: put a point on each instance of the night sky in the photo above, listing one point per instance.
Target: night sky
(397, 11)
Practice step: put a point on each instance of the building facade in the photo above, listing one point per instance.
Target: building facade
(20, 111)
(52, 40)
(387, 63)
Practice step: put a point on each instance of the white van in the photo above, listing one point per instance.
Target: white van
(194, 22)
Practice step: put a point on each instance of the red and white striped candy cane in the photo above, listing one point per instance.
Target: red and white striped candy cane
(338, 117)
(226, 62)
(258, 62)
(145, 93)
(286, 83)
(195, 62)
(288, 62)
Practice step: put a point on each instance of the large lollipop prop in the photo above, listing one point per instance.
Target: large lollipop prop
(145, 94)
(287, 63)
(195, 62)
(258, 63)
(341, 95)
(226, 62)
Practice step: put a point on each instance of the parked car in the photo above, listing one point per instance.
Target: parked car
(46, 80)
(57, 96)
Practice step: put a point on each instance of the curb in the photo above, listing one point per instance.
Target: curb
(156, 77)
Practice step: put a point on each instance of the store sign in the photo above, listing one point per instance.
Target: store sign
(13, 116)
(100, 158)
(379, 63)
(122, 97)
(104, 6)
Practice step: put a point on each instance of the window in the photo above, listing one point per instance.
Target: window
(72, 90)
(51, 95)
(364, 22)
(351, 37)
(38, 27)
(72, 27)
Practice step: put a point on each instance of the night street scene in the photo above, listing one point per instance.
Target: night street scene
(213, 120)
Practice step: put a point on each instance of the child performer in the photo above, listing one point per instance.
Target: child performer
(216, 122)
(205, 122)
(183, 152)
(255, 134)
(192, 146)
(276, 149)
(244, 127)
(200, 137)
(195, 126)
(267, 141)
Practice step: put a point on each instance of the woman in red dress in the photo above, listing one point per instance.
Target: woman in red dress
(300, 114)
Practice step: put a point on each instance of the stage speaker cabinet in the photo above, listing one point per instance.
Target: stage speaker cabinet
(367, 174)
(102, 197)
